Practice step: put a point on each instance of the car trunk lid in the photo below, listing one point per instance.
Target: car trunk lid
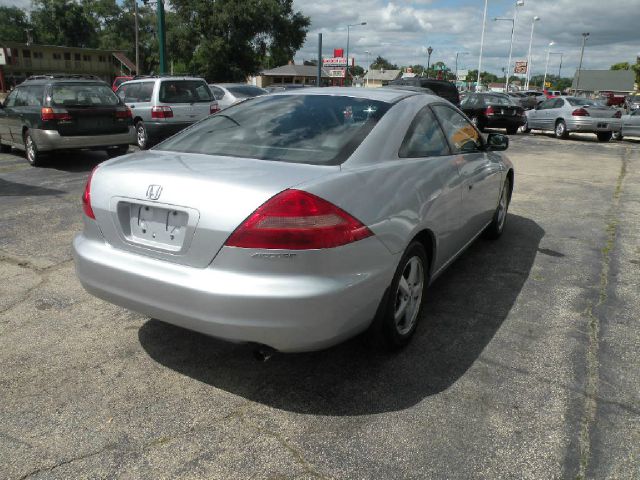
(86, 120)
(182, 207)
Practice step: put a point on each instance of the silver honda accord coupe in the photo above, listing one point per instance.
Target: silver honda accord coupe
(295, 220)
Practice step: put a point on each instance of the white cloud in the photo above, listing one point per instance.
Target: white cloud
(401, 30)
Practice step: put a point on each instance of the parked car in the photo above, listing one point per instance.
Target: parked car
(47, 113)
(564, 115)
(297, 219)
(119, 81)
(531, 99)
(613, 100)
(630, 125)
(229, 93)
(441, 88)
(632, 102)
(273, 88)
(494, 111)
(164, 105)
(552, 93)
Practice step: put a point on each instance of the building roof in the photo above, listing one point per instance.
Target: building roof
(383, 75)
(294, 71)
(605, 80)
(57, 47)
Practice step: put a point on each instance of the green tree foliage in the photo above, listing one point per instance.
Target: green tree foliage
(381, 62)
(64, 22)
(13, 23)
(621, 66)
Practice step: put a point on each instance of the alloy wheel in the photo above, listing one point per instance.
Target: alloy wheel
(30, 148)
(409, 295)
(142, 136)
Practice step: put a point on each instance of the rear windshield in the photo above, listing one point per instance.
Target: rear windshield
(246, 91)
(184, 91)
(314, 129)
(497, 100)
(82, 94)
(582, 102)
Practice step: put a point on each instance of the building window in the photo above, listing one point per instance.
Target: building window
(26, 53)
(38, 55)
(86, 58)
(76, 57)
(101, 58)
(57, 56)
(67, 56)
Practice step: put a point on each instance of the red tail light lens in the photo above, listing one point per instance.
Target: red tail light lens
(618, 114)
(213, 108)
(161, 112)
(580, 112)
(489, 110)
(86, 197)
(297, 220)
(126, 113)
(48, 114)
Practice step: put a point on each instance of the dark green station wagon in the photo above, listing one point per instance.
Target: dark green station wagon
(62, 112)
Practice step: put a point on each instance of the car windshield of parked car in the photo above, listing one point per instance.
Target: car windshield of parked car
(498, 100)
(184, 91)
(583, 102)
(315, 129)
(82, 94)
(246, 91)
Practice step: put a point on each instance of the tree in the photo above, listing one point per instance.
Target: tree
(13, 23)
(621, 66)
(357, 71)
(64, 22)
(382, 63)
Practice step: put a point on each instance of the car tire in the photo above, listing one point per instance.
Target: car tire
(525, 128)
(34, 157)
(117, 151)
(560, 130)
(477, 121)
(512, 130)
(5, 148)
(400, 310)
(496, 227)
(604, 136)
(618, 136)
(142, 137)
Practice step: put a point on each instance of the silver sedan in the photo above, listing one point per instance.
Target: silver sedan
(564, 115)
(229, 93)
(295, 220)
(630, 125)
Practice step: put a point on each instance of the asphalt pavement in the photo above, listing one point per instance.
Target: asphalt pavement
(525, 365)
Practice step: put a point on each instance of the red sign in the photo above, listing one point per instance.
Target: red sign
(338, 52)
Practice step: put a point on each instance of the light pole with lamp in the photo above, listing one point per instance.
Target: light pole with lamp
(459, 53)
(584, 40)
(484, 23)
(546, 66)
(560, 67)
(368, 65)
(348, 27)
(429, 52)
(519, 3)
(533, 23)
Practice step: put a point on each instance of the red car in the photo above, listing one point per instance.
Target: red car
(613, 100)
(118, 80)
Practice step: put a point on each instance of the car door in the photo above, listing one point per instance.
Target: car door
(631, 124)
(6, 113)
(436, 178)
(189, 100)
(480, 172)
(14, 119)
(542, 119)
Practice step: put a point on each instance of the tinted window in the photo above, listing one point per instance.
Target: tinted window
(497, 100)
(218, 93)
(424, 138)
(184, 91)
(582, 102)
(462, 136)
(82, 94)
(559, 103)
(129, 93)
(34, 94)
(145, 92)
(10, 101)
(246, 91)
(547, 104)
(316, 129)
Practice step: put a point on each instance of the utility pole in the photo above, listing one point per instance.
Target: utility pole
(137, 27)
(484, 23)
(429, 52)
(319, 74)
(346, 76)
(533, 23)
(584, 40)
(546, 67)
(161, 37)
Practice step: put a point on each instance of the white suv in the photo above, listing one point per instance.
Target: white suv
(164, 105)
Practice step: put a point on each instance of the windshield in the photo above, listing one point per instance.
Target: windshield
(82, 94)
(582, 102)
(497, 100)
(246, 91)
(315, 129)
(184, 91)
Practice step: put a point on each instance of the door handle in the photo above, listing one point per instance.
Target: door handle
(470, 186)
(132, 106)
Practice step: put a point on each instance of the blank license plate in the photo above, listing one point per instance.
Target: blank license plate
(158, 226)
(603, 125)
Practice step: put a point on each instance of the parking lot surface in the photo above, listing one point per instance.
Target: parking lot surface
(525, 365)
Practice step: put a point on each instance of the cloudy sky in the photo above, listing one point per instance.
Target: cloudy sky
(401, 31)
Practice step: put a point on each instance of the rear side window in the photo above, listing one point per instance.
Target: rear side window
(82, 94)
(34, 94)
(424, 138)
(145, 92)
(462, 136)
(184, 91)
(246, 91)
(129, 93)
(314, 129)
(218, 93)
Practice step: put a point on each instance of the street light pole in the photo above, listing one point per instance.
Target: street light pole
(429, 52)
(560, 67)
(519, 3)
(584, 40)
(368, 65)
(484, 23)
(346, 79)
(459, 53)
(137, 27)
(161, 37)
(533, 24)
(546, 66)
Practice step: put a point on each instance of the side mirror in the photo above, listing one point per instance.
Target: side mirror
(497, 142)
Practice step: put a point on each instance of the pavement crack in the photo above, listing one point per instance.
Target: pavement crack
(592, 356)
(67, 462)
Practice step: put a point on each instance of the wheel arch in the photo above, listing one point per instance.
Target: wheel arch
(428, 240)
(511, 177)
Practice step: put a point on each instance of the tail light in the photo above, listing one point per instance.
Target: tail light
(618, 114)
(126, 113)
(489, 110)
(86, 197)
(213, 108)
(580, 112)
(162, 111)
(297, 220)
(48, 114)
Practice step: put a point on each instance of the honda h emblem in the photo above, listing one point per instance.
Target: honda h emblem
(154, 191)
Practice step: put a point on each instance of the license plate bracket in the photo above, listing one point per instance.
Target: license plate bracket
(158, 226)
(603, 125)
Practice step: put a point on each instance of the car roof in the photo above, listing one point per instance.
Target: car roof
(154, 78)
(389, 95)
(49, 81)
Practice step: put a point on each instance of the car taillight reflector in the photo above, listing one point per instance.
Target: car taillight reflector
(126, 113)
(213, 108)
(86, 197)
(580, 112)
(297, 220)
(618, 114)
(48, 114)
(489, 110)
(162, 111)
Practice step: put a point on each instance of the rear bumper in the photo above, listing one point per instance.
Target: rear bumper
(593, 124)
(291, 313)
(47, 140)
(505, 121)
(161, 130)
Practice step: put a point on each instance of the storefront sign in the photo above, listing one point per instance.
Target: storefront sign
(336, 62)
